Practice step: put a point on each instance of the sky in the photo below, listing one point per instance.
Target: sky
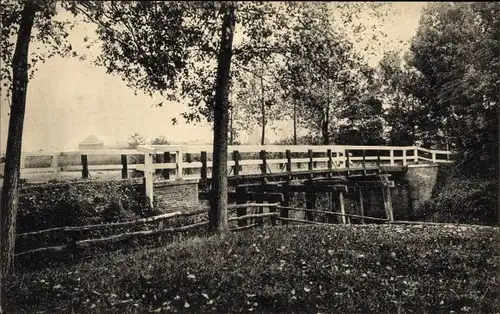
(69, 99)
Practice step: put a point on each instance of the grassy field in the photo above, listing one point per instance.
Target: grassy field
(289, 269)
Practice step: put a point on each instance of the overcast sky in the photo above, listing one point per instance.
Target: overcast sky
(70, 99)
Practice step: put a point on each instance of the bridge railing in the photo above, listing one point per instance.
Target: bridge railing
(195, 161)
(257, 159)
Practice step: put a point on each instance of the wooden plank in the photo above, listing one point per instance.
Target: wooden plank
(102, 226)
(335, 213)
(301, 221)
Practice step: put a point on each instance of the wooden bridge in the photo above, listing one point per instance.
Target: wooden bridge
(257, 165)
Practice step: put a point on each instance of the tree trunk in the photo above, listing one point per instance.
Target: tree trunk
(10, 196)
(326, 137)
(294, 124)
(263, 108)
(218, 206)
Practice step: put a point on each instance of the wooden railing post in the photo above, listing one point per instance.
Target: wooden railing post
(415, 155)
(288, 154)
(310, 164)
(404, 157)
(124, 167)
(236, 158)
(433, 157)
(329, 162)
(167, 158)
(85, 167)
(148, 176)
(204, 169)
(178, 164)
(263, 166)
(54, 163)
(391, 154)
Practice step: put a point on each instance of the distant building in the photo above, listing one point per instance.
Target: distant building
(91, 142)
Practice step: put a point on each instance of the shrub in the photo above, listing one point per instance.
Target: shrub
(79, 203)
(461, 199)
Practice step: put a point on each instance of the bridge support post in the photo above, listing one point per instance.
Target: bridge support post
(333, 206)
(340, 203)
(359, 204)
(310, 202)
(388, 203)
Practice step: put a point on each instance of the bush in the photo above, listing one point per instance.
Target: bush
(462, 199)
(79, 203)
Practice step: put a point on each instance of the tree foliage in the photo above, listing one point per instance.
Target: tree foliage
(457, 51)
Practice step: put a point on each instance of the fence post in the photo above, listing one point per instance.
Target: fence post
(178, 164)
(236, 158)
(85, 167)
(404, 157)
(391, 154)
(433, 157)
(54, 163)
(124, 167)
(204, 170)
(148, 176)
(329, 156)
(167, 158)
(263, 166)
(310, 156)
(415, 155)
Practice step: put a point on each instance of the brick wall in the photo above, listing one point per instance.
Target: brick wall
(176, 195)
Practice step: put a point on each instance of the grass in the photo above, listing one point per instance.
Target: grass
(289, 269)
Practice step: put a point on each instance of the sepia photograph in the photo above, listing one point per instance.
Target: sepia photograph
(249, 157)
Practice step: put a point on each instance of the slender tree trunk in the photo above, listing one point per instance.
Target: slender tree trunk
(294, 124)
(10, 196)
(218, 206)
(263, 108)
(326, 136)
